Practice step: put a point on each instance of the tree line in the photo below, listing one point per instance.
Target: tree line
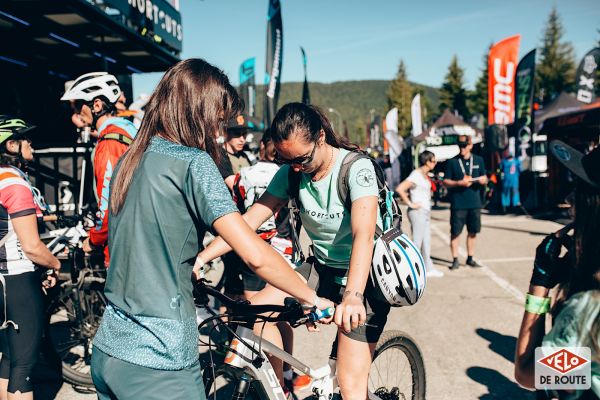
(555, 73)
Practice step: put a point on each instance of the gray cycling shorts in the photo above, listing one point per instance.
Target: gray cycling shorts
(323, 280)
(118, 379)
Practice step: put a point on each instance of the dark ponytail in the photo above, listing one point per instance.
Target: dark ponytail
(307, 121)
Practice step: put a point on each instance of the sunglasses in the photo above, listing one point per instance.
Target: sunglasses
(301, 161)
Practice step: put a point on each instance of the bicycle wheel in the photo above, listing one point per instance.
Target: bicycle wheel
(68, 336)
(398, 371)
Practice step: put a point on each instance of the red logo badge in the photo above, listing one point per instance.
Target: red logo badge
(563, 361)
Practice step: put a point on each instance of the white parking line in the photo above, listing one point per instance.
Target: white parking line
(503, 283)
(507, 260)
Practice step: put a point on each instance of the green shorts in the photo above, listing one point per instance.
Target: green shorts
(118, 379)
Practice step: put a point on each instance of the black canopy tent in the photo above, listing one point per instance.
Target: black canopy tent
(580, 129)
(48, 42)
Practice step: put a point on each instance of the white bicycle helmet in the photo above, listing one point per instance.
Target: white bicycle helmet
(92, 85)
(398, 270)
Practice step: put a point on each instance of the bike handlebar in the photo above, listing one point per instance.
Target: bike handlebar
(292, 311)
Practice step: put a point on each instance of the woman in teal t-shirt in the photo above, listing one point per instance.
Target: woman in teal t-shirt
(342, 240)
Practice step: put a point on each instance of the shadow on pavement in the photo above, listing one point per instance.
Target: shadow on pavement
(441, 261)
(499, 387)
(503, 345)
(505, 228)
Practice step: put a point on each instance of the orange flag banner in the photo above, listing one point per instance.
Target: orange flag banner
(502, 66)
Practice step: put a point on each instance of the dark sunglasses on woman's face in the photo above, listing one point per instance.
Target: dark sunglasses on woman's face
(302, 161)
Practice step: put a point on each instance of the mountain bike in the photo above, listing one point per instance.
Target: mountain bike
(76, 304)
(397, 372)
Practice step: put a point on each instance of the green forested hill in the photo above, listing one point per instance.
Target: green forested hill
(353, 100)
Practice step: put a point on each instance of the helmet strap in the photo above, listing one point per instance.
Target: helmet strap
(106, 109)
(16, 157)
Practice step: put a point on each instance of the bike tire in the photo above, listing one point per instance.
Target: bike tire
(226, 383)
(390, 342)
(69, 341)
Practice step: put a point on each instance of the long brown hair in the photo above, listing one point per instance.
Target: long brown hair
(586, 272)
(307, 121)
(584, 275)
(188, 107)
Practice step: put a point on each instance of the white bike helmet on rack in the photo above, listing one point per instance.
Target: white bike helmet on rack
(398, 270)
(92, 85)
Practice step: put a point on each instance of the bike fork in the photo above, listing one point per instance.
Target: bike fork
(242, 388)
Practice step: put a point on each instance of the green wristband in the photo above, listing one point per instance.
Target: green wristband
(537, 305)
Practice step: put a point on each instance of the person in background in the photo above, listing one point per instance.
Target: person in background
(232, 162)
(95, 96)
(235, 140)
(465, 178)
(511, 170)
(576, 311)
(415, 191)
(22, 253)
(250, 184)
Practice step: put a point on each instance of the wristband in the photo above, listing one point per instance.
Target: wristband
(537, 305)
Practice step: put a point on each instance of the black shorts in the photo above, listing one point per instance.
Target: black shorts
(460, 217)
(251, 281)
(323, 280)
(233, 265)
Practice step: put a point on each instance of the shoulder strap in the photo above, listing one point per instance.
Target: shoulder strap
(343, 186)
(294, 185)
(118, 137)
(295, 220)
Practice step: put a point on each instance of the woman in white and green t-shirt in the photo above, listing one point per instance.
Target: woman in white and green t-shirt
(342, 241)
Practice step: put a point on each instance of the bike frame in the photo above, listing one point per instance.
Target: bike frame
(242, 353)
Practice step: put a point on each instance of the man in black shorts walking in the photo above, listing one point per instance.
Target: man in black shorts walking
(465, 178)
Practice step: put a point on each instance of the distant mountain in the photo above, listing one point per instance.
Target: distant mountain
(352, 99)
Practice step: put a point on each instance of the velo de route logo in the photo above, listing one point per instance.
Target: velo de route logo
(563, 368)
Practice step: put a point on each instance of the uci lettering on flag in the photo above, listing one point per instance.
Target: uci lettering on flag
(502, 65)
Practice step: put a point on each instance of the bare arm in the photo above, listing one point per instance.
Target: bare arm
(262, 258)
(531, 334)
(27, 232)
(403, 189)
(363, 221)
(260, 211)
(229, 182)
(452, 183)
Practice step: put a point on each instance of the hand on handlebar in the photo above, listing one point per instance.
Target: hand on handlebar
(51, 277)
(322, 304)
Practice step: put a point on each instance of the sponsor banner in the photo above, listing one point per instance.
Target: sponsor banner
(563, 368)
(247, 85)
(158, 16)
(587, 76)
(274, 59)
(502, 65)
(305, 91)
(524, 82)
(415, 111)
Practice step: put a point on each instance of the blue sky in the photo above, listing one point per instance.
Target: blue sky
(358, 39)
